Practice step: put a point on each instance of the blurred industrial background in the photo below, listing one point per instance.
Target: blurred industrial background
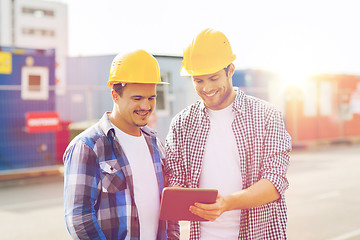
(47, 97)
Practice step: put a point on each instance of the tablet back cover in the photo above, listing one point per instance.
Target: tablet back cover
(175, 202)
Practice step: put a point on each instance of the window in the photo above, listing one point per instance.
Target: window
(38, 32)
(34, 83)
(325, 100)
(162, 97)
(38, 12)
(310, 93)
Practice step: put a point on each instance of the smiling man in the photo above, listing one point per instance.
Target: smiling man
(113, 170)
(231, 142)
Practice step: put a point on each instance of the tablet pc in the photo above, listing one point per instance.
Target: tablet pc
(175, 202)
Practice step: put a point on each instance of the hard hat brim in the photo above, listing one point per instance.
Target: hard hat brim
(184, 73)
(111, 83)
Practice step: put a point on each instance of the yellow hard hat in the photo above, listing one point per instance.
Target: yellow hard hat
(134, 67)
(209, 52)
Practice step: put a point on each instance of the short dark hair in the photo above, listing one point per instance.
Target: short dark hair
(119, 88)
(227, 69)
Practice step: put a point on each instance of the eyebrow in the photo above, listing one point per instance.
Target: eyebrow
(211, 77)
(214, 76)
(140, 96)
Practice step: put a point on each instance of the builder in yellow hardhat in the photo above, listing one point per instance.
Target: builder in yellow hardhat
(231, 142)
(113, 173)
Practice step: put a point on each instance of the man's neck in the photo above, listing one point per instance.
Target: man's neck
(126, 128)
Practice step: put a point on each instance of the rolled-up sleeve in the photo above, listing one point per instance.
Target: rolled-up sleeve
(81, 189)
(276, 152)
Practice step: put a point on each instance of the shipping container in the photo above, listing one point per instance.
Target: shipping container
(322, 109)
(27, 106)
(325, 109)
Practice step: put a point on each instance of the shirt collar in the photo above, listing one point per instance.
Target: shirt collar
(239, 100)
(106, 126)
(149, 131)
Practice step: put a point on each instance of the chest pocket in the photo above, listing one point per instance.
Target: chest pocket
(112, 177)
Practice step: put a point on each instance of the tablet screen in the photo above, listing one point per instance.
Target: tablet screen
(175, 202)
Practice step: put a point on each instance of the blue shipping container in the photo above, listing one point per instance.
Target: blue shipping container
(27, 84)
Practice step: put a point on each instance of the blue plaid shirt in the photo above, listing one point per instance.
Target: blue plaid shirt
(99, 192)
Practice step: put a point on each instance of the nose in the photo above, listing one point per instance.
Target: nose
(145, 105)
(207, 88)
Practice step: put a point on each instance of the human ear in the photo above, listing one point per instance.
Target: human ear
(114, 95)
(231, 70)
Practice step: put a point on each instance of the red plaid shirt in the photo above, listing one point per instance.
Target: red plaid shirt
(264, 146)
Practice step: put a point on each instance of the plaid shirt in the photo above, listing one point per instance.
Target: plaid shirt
(99, 191)
(263, 145)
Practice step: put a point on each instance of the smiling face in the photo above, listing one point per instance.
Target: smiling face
(133, 108)
(216, 89)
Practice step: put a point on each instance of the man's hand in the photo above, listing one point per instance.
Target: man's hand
(262, 192)
(210, 211)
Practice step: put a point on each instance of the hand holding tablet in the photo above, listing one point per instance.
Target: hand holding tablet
(175, 202)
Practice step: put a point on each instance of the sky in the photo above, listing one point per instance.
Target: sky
(293, 37)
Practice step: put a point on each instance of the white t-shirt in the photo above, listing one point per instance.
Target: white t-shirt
(146, 188)
(221, 170)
